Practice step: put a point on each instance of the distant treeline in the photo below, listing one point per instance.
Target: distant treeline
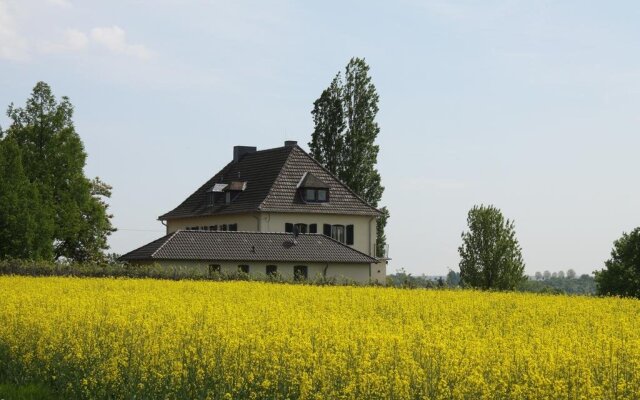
(556, 282)
(584, 284)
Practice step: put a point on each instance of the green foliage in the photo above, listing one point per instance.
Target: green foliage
(406, 280)
(621, 275)
(327, 140)
(453, 278)
(360, 101)
(490, 256)
(585, 285)
(344, 135)
(26, 226)
(381, 237)
(46, 157)
(116, 269)
(26, 392)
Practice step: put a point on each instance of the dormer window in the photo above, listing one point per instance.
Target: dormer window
(213, 192)
(312, 189)
(223, 193)
(321, 195)
(315, 195)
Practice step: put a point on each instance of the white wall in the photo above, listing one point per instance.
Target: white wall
(364, 226)
(360, 273)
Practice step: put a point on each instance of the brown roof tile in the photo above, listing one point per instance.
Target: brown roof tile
(247, 246)
(271, 178)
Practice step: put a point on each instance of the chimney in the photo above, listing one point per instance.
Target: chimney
(290, 143)
(240, 151)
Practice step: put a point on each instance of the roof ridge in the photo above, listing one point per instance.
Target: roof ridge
(339, 180)
(170, 236)
(277, 176)
(349, 247)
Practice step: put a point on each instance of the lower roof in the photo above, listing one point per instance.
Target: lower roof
(247, 246)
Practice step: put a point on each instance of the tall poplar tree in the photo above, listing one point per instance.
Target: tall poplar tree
(53, 160)
(327, 140)
(344, 136)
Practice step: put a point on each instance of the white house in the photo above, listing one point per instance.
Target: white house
(271, 211)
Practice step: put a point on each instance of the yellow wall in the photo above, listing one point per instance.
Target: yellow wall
(364, 226)
(246, 222)
(359, 273)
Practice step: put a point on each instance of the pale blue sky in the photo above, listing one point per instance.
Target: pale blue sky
(532, 106)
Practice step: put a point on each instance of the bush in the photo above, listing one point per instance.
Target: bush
(154, 271)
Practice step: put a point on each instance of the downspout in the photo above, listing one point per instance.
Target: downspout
(259, 221)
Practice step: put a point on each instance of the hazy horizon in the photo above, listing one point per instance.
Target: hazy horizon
(531, 107)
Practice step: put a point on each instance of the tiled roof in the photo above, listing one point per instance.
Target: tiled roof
(247, 246)
(271, 178)
(282, 197)
(309, 180)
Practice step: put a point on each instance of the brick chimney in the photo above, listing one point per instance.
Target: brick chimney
(241, 151)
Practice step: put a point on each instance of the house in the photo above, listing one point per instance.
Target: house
(271, 211)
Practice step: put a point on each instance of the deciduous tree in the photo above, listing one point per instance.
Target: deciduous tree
(344, 135)
(621, 274)
(490, 256)
(26, 225)
(53, 160)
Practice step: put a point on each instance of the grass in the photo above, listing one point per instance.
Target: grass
(10, 391)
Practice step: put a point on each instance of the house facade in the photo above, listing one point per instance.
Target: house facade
(273, 192)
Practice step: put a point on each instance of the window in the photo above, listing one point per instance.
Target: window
(214, 269)
(326, 230)
(310, 194)
(223, 227)
(350, 235)
(337, 232)
(300, 272)
(341, 233)
(233, 227)
(316, 195)
(302, 228)
(204, 228)
(213, 228)
(272, 270)
(243, 269)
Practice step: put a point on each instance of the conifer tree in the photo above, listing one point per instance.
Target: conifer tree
(26, 226)
(53, 160)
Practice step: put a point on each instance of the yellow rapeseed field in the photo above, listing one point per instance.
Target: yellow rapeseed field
(147, 339)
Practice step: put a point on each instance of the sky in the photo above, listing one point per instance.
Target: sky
(531, 106)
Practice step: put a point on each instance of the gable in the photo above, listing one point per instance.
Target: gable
(301, 167)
